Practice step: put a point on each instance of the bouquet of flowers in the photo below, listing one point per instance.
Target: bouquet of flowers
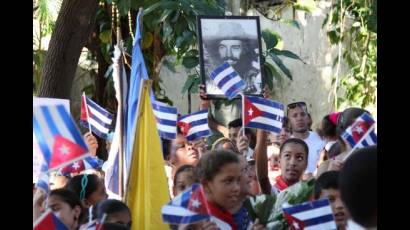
(268, 208)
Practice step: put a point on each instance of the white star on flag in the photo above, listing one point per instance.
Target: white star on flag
(250, 112)
(64, 150)
(196, 203)
(296, 225)
(359, 129)
(76, 166)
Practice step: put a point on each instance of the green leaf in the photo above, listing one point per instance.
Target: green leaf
(175, 17)
(325, 20)
(170, 65)
(165, 14)
(335, 61)
(270, 38)
(268, 76)
(105, 36)
(190, 62)
(334, 39)
(162, 4)
(305, 5)
(288, 54)
(282, 67)
(192, 52)
(188, 83)
(123, 7)
(293, 23)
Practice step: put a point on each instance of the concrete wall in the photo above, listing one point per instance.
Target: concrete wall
(311, 81)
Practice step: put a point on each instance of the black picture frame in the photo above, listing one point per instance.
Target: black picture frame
(214, 29)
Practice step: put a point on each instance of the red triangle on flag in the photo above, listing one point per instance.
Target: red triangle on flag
(64, 151)
(46, 223)
(294, 223)
(184, 127)
(197, 202)
(83, 116)
(251, 111)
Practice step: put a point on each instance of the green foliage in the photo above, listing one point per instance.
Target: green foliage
(174, 22)
(356, 29)
(272, 41)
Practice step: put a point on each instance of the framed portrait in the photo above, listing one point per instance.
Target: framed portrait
(235, 40)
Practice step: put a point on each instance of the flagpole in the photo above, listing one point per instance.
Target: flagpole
(361, 139)
(243, 113)
(86, 110)
(120, 114)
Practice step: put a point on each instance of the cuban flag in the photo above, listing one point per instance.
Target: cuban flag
(81, 165)
(316, 215)
(227, 80)
(49, 221)
(191, 206)
(100, 119)
(166, 120)
(260, 113)
(58, 137)
(361, 132)
(194, 125)
(43, 179)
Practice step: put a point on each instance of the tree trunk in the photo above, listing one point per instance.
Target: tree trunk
(72, 29)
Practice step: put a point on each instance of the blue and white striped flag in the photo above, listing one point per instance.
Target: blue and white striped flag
(315, 215)
(166, 120)
(99, 118)
(361, 133)
(58, 137)
(227, 80)
(194, 125)
(263, 114)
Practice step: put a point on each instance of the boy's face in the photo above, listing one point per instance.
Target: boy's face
(298, 119)
(338, 209)
(293, 162)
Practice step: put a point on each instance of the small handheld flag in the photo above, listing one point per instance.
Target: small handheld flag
(166, 120)
(310, 215)
(191, 206)
(227, 80)
(58, 137)
(49, 221)
(96, 117)
(81, 165)
(195, 125)
(361, 132)
(263, 114)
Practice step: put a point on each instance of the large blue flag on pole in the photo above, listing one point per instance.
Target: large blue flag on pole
(138, 72)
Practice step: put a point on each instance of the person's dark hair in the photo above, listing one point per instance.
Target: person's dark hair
(109, 207)
(295, 141)
(218, 144)
(186, 168)
(211, 163)
(166, 148)
(328, 129)
(74, 184)
(335, 150)
(347, 117)
(329, 179)
(237, 123)
(358, 185)
(114, 226)
(69, 197)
